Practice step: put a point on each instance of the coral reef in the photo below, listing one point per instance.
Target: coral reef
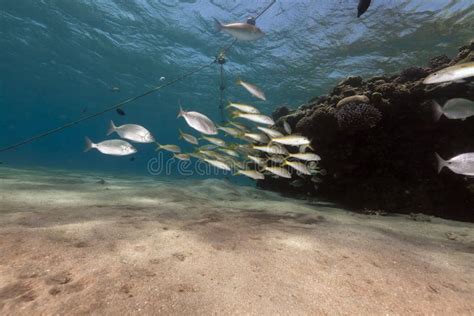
(379, 154)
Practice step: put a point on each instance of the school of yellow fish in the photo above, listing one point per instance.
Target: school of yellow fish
(253, 150)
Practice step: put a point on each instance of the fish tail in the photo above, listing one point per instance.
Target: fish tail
(218, 25)
(180, 133)
(112, 128)
(441, 162)
(158, 146)
(89, 145)
(181, 112)
(437, 110)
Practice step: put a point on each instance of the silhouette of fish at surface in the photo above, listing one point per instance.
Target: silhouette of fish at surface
(120, 112)
(362, 7)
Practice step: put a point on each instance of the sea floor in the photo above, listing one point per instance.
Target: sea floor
(69, 245)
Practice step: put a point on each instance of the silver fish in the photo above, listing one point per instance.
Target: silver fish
(199, 122)
(260, 138)
(253, 174)
(239, 126)
(305, 156)
(276, 158)
(253, 90)
(229, 152)
(215, 141)
(258, 160)
(287, 127)
(183, 157)
(298, 166)
(230, 130)
(114, 147)
(257, 118)
(454, 109)
(243, 108)
(133, 132)
(462, 164)
(218, 164)
(241, 31)
(453, 73)
(270, 132)
(292, 140)
(279, 171)
(171, 148)
(188, 137)
(272, 149)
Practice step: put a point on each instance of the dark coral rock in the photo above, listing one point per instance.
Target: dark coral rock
(279, 112)
(412, 74)
(439, 61)
(391, 166)
(352, 81)
(357, 116)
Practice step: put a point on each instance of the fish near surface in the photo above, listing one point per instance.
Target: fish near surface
(133, 132)
(454, 109)
(114, 147)
(253, 90)
(461, 164)
(120, 112)
(199, 122)
(362, 7)
(241, 31)
(452, 73)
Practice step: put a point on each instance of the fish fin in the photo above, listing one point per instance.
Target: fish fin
(217, 24)
(180, 133)
(112, 128)
(158, 146)
(89, 145)
(181, 112)
(441, 162)
(437, 110)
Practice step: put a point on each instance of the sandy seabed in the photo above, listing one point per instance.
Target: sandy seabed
(70, 246)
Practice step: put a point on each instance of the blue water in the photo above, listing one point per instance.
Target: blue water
(61, 57)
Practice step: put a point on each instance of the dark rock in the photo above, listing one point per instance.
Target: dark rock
(352, 81)
(380, 155)
(279, 112)
(439, 61)
(412, 74)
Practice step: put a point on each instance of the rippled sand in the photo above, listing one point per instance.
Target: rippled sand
(70, 246)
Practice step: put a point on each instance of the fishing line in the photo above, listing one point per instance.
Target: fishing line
(111, 108)
(122, 103)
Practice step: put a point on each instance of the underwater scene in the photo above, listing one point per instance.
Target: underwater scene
(270, 157)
